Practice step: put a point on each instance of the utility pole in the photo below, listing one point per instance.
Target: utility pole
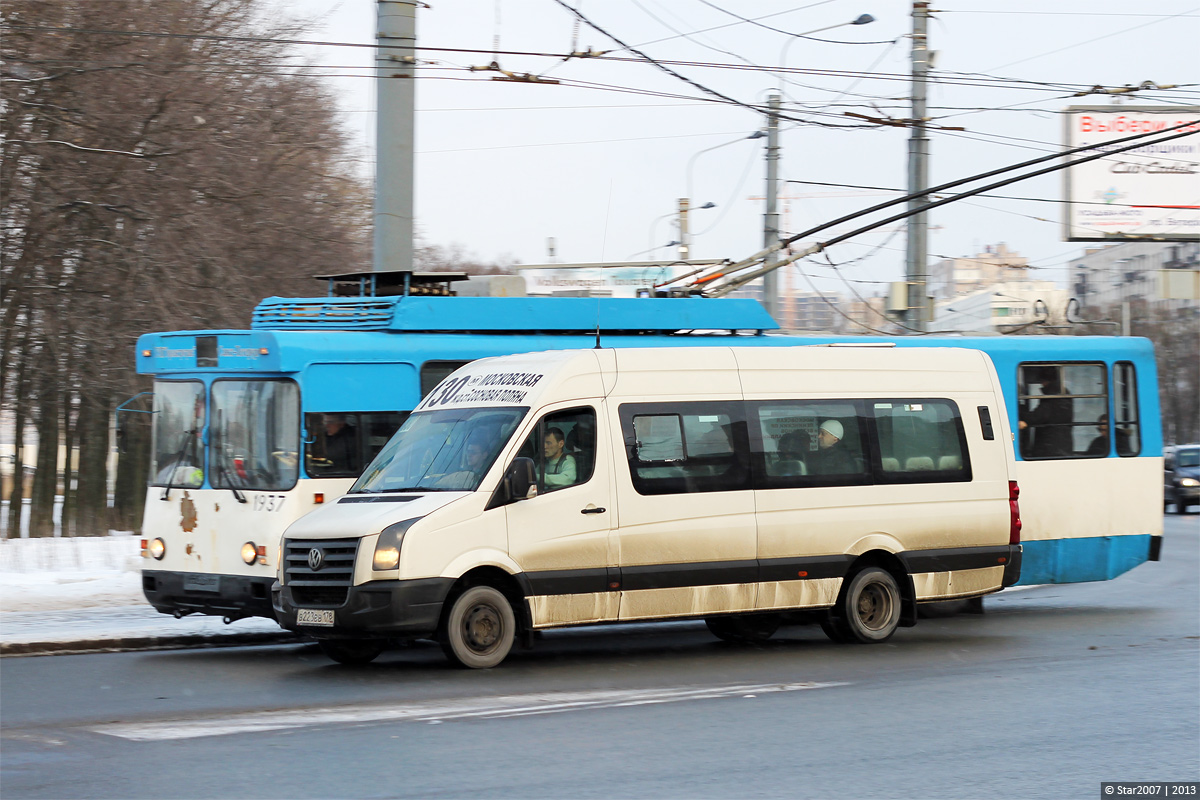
(918, 175)
(771, 218)
(684, 245)
(395, 95)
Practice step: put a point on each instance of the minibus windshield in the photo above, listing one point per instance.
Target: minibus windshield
(441, 451)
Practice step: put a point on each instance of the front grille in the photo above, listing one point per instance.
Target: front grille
(330, 582)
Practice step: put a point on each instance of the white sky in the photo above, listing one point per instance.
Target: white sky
(503, 166)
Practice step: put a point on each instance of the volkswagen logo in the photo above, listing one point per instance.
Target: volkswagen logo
(315, 559)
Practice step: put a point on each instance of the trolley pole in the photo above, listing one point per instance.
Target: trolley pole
(771, 218)
(918, 176)
(395, 94)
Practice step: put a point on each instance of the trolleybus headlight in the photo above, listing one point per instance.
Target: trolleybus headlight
(249, 553)
(387, 549)
(158, 549)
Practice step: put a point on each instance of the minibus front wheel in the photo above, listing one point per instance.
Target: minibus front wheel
(479, 629)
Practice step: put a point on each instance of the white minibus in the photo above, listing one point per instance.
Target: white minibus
(747, 487)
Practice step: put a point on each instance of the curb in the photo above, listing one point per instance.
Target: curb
(120, 644)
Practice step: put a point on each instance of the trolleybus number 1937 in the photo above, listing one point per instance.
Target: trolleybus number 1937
(269, 502)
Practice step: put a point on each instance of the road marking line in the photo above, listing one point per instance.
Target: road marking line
(437, 711)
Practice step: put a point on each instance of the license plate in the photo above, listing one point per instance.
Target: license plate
(202, 583)
(315, 616)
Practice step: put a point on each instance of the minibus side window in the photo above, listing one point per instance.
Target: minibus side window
(1127, 430)
(563, 448)
(921, 441)
(679, 448)
(1063, 411)
(810, 443)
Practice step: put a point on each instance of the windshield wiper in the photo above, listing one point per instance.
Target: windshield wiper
(223, 471)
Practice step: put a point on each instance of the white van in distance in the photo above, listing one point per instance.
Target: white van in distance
(747, 487)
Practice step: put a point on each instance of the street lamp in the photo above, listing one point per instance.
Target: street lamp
(861, 19)
(685, 201)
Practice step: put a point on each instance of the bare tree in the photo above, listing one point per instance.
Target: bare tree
(150, 182)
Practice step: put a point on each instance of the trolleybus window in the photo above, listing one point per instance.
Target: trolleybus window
(178, 422)
(1127, 430)
(340, 445)
(434, 372)
(1063, 410)
(256, 438)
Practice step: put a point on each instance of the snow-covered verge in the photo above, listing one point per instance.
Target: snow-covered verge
(70, 573)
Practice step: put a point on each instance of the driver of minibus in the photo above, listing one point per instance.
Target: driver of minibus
(474, 462)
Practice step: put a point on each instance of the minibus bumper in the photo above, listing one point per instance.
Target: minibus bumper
(233, 596)
(1012, 567)
(378, 609)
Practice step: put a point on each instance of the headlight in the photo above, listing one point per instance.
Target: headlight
(249, 553)
(158, 549)
(387, 549)
(1189, 482)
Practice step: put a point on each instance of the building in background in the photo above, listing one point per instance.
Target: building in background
(953, 277)
(1149, 274)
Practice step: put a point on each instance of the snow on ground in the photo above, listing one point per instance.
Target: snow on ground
(89, 589)
(69, 573)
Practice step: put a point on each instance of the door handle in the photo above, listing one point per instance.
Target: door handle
(593, 511)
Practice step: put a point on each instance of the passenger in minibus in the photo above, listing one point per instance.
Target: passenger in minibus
(560, 465)
(794, 449)
(832, 458)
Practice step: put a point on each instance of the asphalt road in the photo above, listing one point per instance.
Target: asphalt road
(1052, 691)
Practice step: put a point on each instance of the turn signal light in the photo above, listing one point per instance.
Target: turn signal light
(318, 498)
(145, 554)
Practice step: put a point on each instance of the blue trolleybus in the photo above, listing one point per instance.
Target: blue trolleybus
(254, 428)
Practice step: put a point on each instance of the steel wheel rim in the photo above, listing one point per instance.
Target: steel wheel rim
(874, 606)
(483, 628)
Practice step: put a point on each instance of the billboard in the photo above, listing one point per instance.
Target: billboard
(1151, 192)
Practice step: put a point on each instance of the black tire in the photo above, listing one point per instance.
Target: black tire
(743, 628)
(479, 629)
(352, 652)
(870, 606)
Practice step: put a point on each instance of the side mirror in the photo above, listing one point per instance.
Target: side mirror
(521, 479)
(519, 483)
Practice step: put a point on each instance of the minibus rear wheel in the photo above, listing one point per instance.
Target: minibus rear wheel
(352, 652)
(743, 628)
(479, 629)
(870, 606)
